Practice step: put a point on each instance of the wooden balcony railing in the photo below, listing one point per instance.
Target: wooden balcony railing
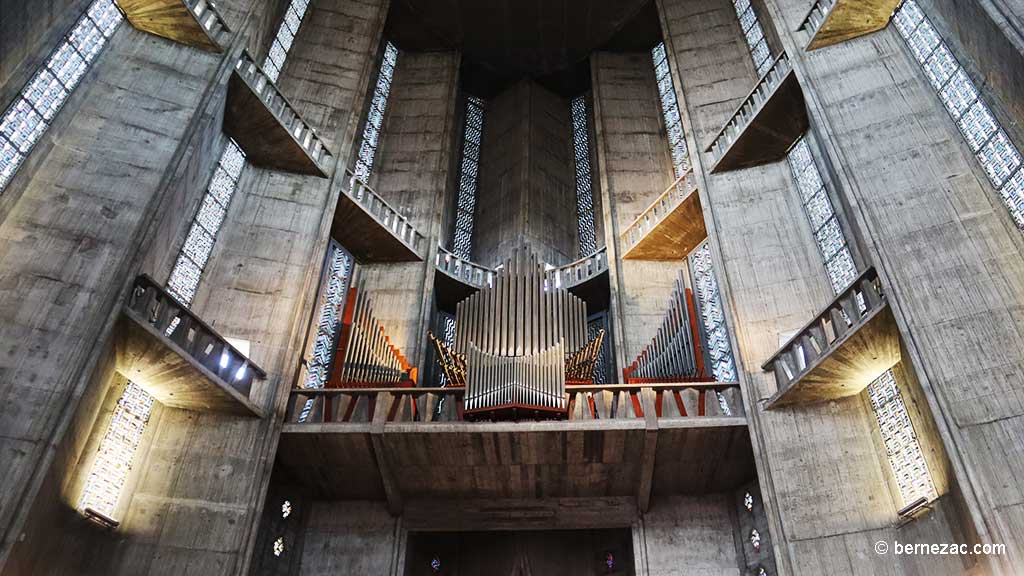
(267, 127)
(766, 124)
(192, 22)
(430, 405)
(833, 21)
(372, 229)
(179, 359)
(670, 227)
(841, 351)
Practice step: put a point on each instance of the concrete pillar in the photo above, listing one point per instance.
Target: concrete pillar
(527, 191)
(942, 240)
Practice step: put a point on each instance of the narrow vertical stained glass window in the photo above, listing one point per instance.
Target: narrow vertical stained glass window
(332, 299)
(334, 292)
(991, 146)
(202, 234)
(754, 35)
(828, 234)
(117, 451)
(465, 205)
(670, 111)
(901, 444)
(712, 314)
(32, 111)
(375, 117)
(584, 188)
(282, 43)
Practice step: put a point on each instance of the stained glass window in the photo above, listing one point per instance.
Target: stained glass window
(332, 300)
(31, 112)
(282, 42)
(901, 444)
(670, 111)
(375, 117)
(998, 156)
(286, 509)
(754, 35)
(462, 233)
(117, 451)
(278, 547)
(825, 225)
(202, 234)
(584, 189)
(712, 315)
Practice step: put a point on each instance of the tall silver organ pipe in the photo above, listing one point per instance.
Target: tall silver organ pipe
(674, 355)
(366, 356)
(510, 332)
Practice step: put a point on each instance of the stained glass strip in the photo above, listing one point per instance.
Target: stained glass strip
(465, 203)
(375, 116)
(712, 315)
(117, 451)
(31, 112)
(584, 193)
(901, 443)
(282, 43)
(998, 156)
(670, 111)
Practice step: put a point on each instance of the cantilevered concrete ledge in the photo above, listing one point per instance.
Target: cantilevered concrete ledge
(268, 128)
(373, 230)
(411, 444)
(670, 227)
(766, 124)
(833, 21)
(178, 358)
(841, 351)
(191, 22)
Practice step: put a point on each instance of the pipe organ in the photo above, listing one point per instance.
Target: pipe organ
(365, 356)
(515, 336)
(675, 353)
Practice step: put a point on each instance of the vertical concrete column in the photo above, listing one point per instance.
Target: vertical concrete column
(412, 173)
(634, 168)
(75, 222)
(527, 192)
(773, 281)
(944, 243)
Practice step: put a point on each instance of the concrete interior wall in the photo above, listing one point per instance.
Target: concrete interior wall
(84, 200)
(689, 536)
(111, 174)
(947, 249)
(634, 168)
(28, 31)
(566, 552)
(411, 172)
(353, 537)
(527, 186)
(835, 486)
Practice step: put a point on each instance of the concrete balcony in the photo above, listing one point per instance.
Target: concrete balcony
(191, 22)
(412, 444)
(670, 227)
(180, 360)
(766, 124)
(833, 21)
(371, 229)
(268, 127)
(459, 278)
(841, 351)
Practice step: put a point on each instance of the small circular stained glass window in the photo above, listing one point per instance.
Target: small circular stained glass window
(748, 502)
(286, 509)
(279, 546)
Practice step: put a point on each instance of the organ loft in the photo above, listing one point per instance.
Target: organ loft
(511, 288)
